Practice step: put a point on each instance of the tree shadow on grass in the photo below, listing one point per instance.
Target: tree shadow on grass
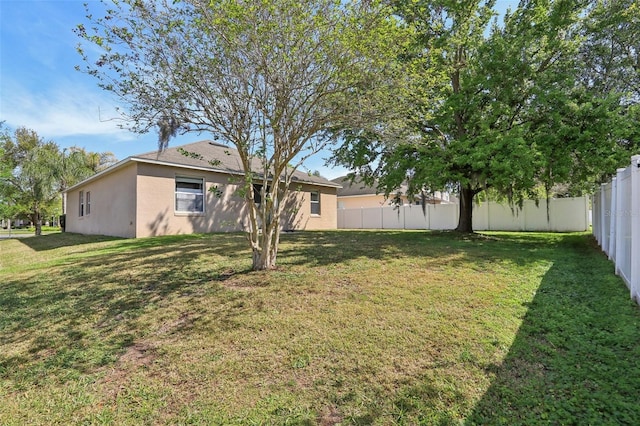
(576, 357)
(71, 319)
(65, 239)
(321, 248)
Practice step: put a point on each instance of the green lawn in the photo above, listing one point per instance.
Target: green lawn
(27, 231)
(355, 327)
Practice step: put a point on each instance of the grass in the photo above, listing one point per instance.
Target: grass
(353, 328)
(28, 231)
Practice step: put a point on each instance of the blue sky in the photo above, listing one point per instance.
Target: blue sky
(41, 90)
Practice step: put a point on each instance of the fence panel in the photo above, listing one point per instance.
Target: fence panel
(393, 218)
(415, 218)
(623, 224)
(371, 218)
(617, 223)
(443, 216)
(565, 215)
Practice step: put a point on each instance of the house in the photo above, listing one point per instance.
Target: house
(357, 194)
(188, 189)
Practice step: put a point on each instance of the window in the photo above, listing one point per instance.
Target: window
(257, 193)
(315, 202)
(189, 195)
(88, 203)
(81, 203)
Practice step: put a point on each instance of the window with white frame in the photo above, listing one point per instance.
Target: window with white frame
(189, 194)
(81, 203)
(88, 203)
(315, 202)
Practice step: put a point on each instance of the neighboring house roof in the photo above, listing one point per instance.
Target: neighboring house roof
(205, 155)
(357, 187)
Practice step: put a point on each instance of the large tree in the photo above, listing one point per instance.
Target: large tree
(270, 77)
(610, 54)
(34, 172)
(31, 186)
(496, 106)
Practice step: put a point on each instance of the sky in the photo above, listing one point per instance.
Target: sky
(41, 90)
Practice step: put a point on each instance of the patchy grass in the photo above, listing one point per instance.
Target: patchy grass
(353, 328)
(46, 230)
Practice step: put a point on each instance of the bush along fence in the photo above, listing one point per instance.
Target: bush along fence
(616, 223)
(563, 215)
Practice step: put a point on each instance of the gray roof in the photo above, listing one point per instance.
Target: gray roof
(357, 187)
(205, 155)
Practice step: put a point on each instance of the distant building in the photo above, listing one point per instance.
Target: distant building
(357, 194)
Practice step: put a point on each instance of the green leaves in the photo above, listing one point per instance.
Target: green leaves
(272, 77)
(498, 106)
(34, 172)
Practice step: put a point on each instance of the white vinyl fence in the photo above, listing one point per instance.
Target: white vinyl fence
(616, 223)
(565, 215)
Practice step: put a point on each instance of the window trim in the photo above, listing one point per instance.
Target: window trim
(80, 203)
(189, 179)
(316, 203)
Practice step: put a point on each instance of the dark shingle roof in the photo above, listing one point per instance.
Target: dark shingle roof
(357, 187)
(217, 157)
(205, 155)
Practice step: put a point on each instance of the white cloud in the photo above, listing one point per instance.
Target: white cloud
(65, 110)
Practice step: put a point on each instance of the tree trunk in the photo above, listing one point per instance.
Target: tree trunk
(465, 221)
(265, 258)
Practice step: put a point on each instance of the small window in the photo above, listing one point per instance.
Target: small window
(315, 202)
(81, 203)
(257, 193)
(88, 203)
(189, 195)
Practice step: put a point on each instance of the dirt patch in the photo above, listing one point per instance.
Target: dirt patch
(184, 322)
(117, 380)
(330, 417)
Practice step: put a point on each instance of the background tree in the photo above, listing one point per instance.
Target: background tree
(33, 173)
(610, 54)
(31, 187)
(495, 106)
(610, 63)
(76, 164)
(270, 77)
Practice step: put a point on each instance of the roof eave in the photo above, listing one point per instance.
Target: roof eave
(128, 160)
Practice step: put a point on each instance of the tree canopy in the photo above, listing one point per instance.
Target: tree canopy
(271, 78)
(33, 172)
(495, 106)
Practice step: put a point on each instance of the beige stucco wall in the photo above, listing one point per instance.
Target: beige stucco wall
(113, 201)
(138, 200)
(156, 203)
(364, 201)
(223, 212)
(298, 213)
(368, 201)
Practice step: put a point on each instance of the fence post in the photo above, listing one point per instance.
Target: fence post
(619, 234)
(586, 213)
(404, 216)
(614, 231)
(635, 227)
(603, 211)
